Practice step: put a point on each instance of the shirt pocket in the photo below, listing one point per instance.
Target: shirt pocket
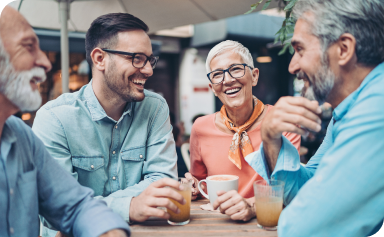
(90, 172)
(133, 161)
(27, 190)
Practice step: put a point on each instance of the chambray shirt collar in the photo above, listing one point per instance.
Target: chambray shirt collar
(343, 107)
(8, 137)
(96, 110)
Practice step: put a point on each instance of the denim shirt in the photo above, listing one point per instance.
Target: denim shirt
(117, 159)
(32, 183)
(340, 192)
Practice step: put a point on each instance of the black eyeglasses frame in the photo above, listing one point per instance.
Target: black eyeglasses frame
(227, 70)
(133, 56)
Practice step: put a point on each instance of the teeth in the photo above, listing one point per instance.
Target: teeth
(139, 81)
(232, 90)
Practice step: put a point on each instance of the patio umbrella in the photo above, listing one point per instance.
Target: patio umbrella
(157, 14)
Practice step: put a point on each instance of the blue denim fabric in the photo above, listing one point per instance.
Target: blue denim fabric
(32, 183)
(340, 192)
(117, 159)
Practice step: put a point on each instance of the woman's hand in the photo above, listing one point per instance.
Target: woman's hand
(195, 189)
(234, 205)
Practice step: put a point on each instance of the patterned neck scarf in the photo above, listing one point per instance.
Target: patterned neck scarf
(241, 145)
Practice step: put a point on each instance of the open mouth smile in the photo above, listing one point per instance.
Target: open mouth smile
(139, 82)
(232, 91)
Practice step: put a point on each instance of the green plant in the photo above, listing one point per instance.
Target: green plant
(285, 33)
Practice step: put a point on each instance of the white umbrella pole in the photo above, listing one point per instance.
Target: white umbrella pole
(64, 15)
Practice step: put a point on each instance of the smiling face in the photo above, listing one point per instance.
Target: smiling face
(23, 64)
(310, 65)
(121, 77)
(233, 93)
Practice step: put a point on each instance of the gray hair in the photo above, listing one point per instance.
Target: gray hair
(364, 19)
(226, 46)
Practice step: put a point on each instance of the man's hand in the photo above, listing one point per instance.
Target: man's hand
(234, 205)
(290, 114)
(59, 234)
(195, 189)
(115, 233)
(156, 195)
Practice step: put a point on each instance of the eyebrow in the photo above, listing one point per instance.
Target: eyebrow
(295, 43)
(227, 67)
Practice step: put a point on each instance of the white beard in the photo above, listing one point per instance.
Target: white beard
(16, 85)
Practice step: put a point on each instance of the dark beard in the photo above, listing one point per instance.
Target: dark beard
(122, 87)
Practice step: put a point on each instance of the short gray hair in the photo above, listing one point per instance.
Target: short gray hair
(226, 46)
(364, 19)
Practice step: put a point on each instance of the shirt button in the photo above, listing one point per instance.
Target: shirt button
(92, 166)
(114, 152)
(141, 156)
(11, 191)
(116, 127)
(11, 230)
(114, 178)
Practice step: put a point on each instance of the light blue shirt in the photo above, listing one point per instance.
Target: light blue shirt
(340, 192)
(32, 183)
(117, 159)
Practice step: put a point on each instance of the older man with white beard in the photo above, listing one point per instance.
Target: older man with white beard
(31, 182)
(339, 53)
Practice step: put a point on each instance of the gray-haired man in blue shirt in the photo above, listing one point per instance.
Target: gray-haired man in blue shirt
(31, 182)
(339, 53)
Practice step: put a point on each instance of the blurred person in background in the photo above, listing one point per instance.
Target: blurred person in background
(220, 141)
(339, 53)
(113, 135)
(31, 182)
(178, 137)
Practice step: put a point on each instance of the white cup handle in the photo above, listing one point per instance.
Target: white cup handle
(201, 190)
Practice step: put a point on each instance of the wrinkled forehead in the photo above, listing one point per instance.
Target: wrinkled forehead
(14, 27)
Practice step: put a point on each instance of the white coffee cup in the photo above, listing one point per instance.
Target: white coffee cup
(230, 182)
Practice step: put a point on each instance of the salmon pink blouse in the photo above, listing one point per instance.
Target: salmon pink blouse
(209, 149)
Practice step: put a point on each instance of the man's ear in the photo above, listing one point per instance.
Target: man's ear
(255, 76)
(213, 90)
(346, 49)
(98, 59)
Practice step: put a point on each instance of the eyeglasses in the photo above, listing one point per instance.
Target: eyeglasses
(235, 71)
(139, 60)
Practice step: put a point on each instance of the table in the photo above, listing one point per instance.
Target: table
(203, 223)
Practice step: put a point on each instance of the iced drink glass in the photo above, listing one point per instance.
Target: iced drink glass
(183, 217)
(268, 202)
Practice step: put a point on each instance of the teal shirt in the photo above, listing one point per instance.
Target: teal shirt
(117, 159)
(340, 192)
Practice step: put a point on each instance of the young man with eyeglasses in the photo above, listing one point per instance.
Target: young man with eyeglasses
(112, 135)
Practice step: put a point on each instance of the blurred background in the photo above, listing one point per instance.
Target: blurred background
(182, 33)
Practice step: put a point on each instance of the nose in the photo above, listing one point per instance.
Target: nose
(147, 69)
(227, 78)
(294, 66)
(43, 61)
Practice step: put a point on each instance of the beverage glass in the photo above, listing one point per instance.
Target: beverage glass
(183, 217)
(218, 182)
(268, 202)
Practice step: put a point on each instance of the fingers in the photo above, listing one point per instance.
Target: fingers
(195, 190)
(163, 202)
(167, 182)
(156, 212)
(222, 197)
(238, 207)
(302, 121)
(230, 201)
(304, 102)
(168, 193)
